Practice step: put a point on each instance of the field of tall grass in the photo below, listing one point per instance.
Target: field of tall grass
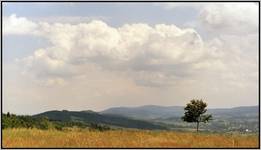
(123, 138)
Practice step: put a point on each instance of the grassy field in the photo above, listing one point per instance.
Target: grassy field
(123, 138)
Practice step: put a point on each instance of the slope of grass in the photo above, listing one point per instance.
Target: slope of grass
(122, 138)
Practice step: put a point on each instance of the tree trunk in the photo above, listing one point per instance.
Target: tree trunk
(197, 126)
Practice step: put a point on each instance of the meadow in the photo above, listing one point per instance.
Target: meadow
(75, 137)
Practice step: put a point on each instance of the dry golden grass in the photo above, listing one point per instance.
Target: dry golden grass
(123, 138)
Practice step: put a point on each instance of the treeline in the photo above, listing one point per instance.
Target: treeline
(25, 121)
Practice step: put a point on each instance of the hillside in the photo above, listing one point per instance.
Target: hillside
(93, 117)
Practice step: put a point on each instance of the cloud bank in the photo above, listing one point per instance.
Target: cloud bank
(159, 55)
(156, 52)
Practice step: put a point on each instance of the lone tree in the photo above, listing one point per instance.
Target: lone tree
(195, 112)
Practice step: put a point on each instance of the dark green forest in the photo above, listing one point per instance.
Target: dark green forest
(25, 121)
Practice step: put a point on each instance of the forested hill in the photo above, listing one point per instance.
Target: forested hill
(93, 117)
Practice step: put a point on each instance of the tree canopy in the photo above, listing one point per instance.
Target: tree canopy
(195, 112)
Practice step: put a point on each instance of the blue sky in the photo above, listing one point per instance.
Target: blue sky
(80, 56)
(118, 13)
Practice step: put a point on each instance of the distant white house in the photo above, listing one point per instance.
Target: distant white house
(247, 130)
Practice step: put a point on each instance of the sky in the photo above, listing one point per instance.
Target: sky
(93, 56)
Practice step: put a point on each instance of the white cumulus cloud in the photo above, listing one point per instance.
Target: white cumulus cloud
(223, 18)
(159, 55)
(230, 18)
(18, 25)
(154, 52)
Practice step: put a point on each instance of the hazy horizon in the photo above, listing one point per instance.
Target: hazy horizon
(93, 56)
(61, 109)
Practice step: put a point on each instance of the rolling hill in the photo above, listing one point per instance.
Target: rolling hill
(94, 117)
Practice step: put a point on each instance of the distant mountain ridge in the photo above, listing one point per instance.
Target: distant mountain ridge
(145, 112)
(149, 112)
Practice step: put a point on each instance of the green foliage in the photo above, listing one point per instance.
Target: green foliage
(94, 126)
(14, 121)
(42, 122)
(195, 112)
